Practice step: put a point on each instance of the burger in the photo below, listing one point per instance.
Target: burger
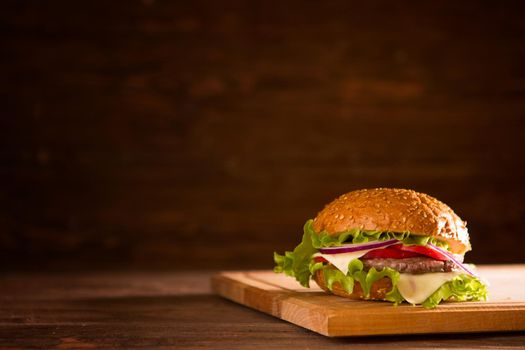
(386, 244)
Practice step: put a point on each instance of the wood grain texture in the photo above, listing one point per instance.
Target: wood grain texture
(331, 315)
(131, 131)
(169, 310)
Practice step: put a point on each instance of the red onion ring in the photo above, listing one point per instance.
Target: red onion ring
(349, 248)
(451, 257)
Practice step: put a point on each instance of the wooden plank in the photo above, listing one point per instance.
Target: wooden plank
(166, 310)
(330, 315)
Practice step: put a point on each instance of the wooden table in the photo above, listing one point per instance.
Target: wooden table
(161, 310)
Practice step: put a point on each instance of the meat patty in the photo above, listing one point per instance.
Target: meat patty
(410, 265)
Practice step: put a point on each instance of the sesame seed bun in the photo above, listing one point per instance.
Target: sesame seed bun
(394, 210)
(378, 290)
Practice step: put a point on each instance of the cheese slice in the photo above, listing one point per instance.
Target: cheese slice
(342, 260)
(417, 288)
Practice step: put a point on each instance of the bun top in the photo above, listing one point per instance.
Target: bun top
(394, 210)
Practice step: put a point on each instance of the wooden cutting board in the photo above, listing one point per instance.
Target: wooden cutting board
(330, 315)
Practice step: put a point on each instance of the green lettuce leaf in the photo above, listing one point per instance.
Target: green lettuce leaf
(323, 239)
(461, 288)
(297, 263)
(365, 279)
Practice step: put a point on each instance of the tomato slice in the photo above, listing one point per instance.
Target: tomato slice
(320, 259)
(390, 253)
(398, 251)
(420, 249)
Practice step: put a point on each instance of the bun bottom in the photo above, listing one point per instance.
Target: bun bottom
(378, 290)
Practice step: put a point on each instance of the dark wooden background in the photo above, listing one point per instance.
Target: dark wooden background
(182, 134)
